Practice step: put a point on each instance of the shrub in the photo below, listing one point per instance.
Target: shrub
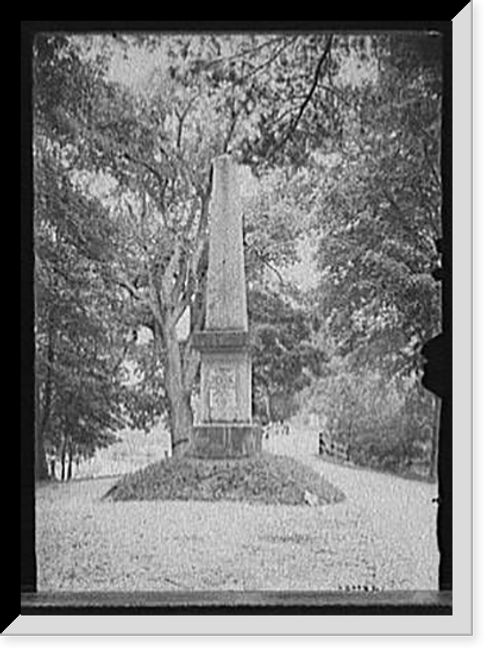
(388, 423)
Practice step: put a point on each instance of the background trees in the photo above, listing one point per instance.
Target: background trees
(381, 213)
(340, 138)
(380, 219)
(77, 323)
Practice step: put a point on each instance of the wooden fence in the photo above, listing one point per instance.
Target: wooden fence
(339, 451)
(300, 439)
(290, 439)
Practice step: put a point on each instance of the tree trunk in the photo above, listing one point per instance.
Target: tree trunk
(41, 467)
(350, 427)
(69, 466)
(63, 456)
(43, 415)
(267, 400)
(181, 423)
(62, 466)
(180, 413)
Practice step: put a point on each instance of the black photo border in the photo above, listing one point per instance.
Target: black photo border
(28, 602)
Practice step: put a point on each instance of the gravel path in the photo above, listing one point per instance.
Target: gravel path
(382, 537)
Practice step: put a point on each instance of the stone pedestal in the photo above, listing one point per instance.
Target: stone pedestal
(228, 440)
(225, 429)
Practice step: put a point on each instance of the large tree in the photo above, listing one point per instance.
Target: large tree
(143, 150)
(379, 216)
(285, 357)
(79, 348)
(381, 207)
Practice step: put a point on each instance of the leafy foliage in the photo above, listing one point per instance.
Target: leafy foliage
(387, 423)
(78, 350)
(381, 215)
(341, 134)
(284, 356)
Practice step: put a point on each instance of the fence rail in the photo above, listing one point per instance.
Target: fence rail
(339, 451)
(298, 439)
(290, 439)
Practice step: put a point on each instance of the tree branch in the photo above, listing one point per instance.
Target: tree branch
(109, 144)
(308, 97)
(142, 163)
(336, 92)
(170, 273)
(266, 262)
(267, 61)
(230, 132)
(132, 290)
(244, 53)
(181, 116)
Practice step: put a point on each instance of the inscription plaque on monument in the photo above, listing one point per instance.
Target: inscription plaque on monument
(222, 393)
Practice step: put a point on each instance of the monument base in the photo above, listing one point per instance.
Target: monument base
(225, 441)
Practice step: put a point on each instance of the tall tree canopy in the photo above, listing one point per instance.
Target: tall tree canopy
(380, 210)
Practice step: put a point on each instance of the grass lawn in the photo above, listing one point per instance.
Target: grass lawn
(407, 475)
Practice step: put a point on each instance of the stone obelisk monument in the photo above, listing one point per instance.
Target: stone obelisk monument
(225, 429)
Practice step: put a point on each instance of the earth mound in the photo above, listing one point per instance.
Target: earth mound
(264, 478)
